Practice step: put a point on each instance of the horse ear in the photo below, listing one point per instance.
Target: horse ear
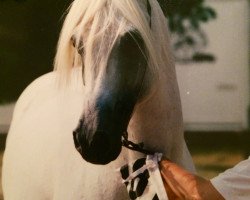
(79, 47)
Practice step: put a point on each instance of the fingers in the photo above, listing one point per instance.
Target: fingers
(170, 193)
(172, 167)
(173, 180)
(173, 189)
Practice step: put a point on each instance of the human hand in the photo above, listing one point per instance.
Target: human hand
(183, 185)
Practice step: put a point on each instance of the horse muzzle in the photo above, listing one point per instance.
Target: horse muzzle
(100, 150)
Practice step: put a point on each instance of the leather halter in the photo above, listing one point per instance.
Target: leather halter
(133, 146)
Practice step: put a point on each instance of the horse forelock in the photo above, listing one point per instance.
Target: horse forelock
(96, 27)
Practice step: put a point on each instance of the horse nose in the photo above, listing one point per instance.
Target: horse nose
(100, 141)
(96, 146)
(77, 141)
(80, 140)
(100, 150)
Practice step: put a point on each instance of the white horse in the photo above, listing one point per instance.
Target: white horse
(115, 58)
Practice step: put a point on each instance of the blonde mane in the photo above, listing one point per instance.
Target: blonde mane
(96, 25)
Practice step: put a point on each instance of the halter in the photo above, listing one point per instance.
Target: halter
(133, 146)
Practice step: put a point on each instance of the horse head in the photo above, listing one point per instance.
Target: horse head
(114, 44)
(111, 101)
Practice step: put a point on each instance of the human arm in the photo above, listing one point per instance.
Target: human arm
(234, 183)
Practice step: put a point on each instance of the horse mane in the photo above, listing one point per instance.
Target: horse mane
(96, 26)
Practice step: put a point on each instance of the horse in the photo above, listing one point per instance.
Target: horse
(114, 73)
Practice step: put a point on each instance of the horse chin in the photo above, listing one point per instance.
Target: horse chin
(101, 159)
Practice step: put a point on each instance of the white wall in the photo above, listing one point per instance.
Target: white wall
(215, 96)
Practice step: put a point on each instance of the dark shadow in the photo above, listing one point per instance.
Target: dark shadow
(215, 168)
(2, 141)
(209, 142)
(28, 38)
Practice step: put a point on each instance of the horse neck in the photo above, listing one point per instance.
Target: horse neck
(157, 122)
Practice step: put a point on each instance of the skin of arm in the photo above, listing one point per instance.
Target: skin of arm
(183, 185)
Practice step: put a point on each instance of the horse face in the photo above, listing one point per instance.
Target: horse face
(110, 104)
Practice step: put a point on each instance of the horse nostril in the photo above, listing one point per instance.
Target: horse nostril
(80, 140)
(77, 142)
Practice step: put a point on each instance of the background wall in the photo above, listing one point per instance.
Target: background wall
(215, 96)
